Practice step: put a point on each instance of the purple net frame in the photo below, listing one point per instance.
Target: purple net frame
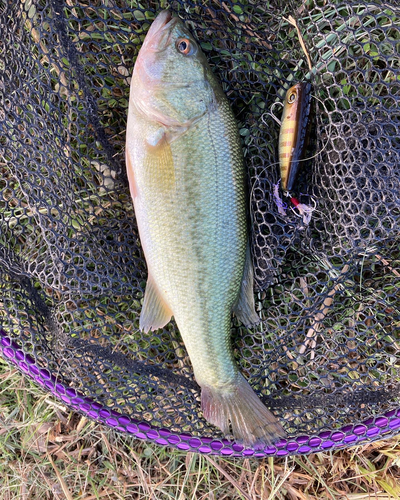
(372, 429)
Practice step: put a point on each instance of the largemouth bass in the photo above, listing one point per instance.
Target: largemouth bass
(294, 132)
(187, 182)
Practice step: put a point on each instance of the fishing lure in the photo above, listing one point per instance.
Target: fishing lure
(294, 133)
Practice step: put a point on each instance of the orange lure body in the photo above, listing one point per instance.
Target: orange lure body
(294, 132)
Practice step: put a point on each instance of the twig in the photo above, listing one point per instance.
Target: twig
(64, 487)
(320, 316)
(228, 477)
(50, 485)
(140, 472)
(81, 424)
(98, 495)
(386, 263)
(291, 20)
(279, 485)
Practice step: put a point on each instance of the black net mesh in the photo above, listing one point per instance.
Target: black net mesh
(72, 272)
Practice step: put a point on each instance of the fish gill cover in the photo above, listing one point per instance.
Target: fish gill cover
(325, 358)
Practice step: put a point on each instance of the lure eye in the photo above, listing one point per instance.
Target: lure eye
(292, 97)
(184, 46)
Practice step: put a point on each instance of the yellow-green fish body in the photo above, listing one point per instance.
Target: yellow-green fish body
(193, 234)
(187, 182)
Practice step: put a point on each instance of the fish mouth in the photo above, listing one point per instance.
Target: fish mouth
(157, 37)
(164, 17)
(148, 66)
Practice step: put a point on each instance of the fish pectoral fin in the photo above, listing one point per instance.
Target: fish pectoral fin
(244, 307)
(156, 138)
(155, 312)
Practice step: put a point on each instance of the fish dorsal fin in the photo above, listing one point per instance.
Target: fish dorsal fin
(155, 312)
(244, 307)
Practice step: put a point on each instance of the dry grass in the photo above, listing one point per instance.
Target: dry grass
(49, 452)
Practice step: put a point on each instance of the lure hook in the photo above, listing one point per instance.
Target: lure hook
(272, 115)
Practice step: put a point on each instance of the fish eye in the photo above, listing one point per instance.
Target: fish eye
(184, 46)
(292, 97)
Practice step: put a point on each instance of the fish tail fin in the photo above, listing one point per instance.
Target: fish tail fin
(240, 410)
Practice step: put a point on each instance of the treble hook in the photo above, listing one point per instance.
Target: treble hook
(271, 114)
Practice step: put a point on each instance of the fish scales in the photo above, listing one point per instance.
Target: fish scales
(199, 213)
(187, 180)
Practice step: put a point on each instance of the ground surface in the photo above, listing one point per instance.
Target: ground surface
(49, 452)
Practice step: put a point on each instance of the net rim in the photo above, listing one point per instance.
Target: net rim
(372, 429)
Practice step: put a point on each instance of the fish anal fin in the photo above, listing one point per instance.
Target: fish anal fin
(244, 307)
(155, 312)
(238, 411)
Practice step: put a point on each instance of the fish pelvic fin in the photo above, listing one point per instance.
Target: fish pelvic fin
(155, 312)
(238, 412)
(244, 307)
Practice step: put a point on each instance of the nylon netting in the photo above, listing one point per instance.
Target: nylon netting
(72, 275)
